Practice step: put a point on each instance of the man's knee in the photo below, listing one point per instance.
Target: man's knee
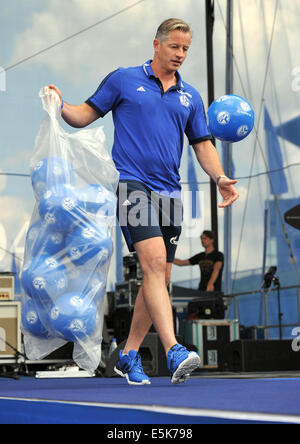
(154, 264)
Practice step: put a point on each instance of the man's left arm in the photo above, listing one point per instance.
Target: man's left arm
(209, 160)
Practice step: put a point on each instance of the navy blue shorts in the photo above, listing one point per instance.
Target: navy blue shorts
(144, 214)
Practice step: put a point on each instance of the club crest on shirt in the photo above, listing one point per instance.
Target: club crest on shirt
(184, 98)
(184, 101)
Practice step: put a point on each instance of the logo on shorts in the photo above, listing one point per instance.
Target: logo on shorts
(174, 240)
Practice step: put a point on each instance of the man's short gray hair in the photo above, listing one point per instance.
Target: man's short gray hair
(170, 25)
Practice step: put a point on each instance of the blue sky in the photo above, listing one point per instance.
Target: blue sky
(78, 65)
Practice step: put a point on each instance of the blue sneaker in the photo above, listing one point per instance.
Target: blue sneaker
(130, 367)
(181, 363)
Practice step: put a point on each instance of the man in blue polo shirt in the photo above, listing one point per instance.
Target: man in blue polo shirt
(153, 108)
(150, 124)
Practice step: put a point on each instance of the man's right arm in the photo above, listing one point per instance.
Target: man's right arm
(77, 116)
(181, 262)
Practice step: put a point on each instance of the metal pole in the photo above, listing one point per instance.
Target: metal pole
(209, 7)
(266, 221)
(267, 314)
(228, 147)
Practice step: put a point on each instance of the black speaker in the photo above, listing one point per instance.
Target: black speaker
(208, 305)
(132, 267)
(121, 321)
(259, 356)
(152, 354)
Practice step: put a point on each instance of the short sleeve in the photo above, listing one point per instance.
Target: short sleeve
(195, 259)
(219, 257)
(196, 129)
(108, 94)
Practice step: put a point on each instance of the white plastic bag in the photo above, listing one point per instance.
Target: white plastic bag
(68, 246)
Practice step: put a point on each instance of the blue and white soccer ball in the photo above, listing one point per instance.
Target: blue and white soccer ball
(45, 279)
(230, 118)
(60, 208)
(31, 321)
(74, 317)
(41, 239)
(87, 242)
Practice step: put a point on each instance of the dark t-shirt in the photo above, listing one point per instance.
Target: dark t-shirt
(206, 263)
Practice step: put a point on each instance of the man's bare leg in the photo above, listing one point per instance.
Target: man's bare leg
(153, 304)
(141, 321)
(140, 325)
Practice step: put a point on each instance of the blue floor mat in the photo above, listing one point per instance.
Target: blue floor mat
(272, 396)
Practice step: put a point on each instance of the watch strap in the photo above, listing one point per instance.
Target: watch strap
(220, 177)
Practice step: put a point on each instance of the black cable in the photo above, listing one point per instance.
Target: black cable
(253, 176)
(263, 173)
(14, 174)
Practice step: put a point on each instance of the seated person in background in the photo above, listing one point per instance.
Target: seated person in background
(211, 263)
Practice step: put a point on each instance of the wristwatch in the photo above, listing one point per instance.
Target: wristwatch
(220, 177)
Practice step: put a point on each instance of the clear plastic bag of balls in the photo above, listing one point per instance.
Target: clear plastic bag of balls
(69, 241)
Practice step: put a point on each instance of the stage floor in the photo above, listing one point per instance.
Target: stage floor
(211, 398)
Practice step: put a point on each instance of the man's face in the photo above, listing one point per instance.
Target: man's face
(173, 51)
(206, 241)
